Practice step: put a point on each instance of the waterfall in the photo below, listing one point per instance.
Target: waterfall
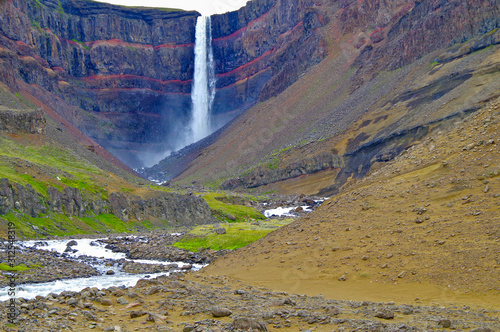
(203, 89)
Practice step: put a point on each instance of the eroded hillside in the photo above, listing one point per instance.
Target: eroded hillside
(422, 229)
(394, 72)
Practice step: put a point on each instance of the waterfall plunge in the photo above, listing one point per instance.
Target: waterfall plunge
(203, 90)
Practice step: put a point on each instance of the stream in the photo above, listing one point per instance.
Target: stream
(93, 253)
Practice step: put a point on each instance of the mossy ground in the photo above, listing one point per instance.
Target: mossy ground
(237, 235)
(223, 208)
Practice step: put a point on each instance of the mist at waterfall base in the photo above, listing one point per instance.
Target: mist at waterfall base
(199, 124)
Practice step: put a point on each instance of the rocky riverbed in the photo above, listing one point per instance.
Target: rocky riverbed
(197, 302)
(53, 260)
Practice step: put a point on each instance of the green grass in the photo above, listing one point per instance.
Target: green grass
(274, 163)
(17, 268)
(61, 225)
(222, 210)
(81, 43)
(237, 235)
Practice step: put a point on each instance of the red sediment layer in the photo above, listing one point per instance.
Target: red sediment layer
(154, 115)
(114, 90)
(250, 63)
(377, 31)
(240, 31)
(119, 42)
(133, 77)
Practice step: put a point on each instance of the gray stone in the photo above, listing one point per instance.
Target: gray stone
(122, 300)
(246, 324)
(384, 314)
(220, 231)
(221, 312)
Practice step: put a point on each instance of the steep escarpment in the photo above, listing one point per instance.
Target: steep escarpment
(174, 210)
(56, 181)
(263, 48)
(130, 70)
(395, 71)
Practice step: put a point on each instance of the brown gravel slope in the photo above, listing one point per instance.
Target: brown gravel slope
(424, 228)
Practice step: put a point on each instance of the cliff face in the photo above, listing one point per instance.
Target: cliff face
(263, 48)
(130, 69)
(172, 208)
(394, 71)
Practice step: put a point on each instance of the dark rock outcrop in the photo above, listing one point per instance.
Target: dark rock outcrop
(14, 196)
(177, 210)
(266, 175)
(14, 121)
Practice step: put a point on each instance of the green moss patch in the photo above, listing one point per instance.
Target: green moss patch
(237, 235)
(223, 210)
(17, 268)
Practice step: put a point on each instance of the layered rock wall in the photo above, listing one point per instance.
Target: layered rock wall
(21, 121)
(132, 68)
(175, 209)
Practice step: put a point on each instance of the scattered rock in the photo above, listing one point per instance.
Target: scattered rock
(135, 314)
(446, 323)
(385, 314)
(248, 324)
(220, 231)
(221, 312)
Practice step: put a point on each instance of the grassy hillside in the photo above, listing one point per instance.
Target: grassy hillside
(424, 229)
(58, 158)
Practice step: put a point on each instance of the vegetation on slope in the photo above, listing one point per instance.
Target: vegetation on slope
(54, 159)
(235, 236)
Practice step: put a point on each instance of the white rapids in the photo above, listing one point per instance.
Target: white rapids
(90, 248)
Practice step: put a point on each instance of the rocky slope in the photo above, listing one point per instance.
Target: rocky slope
(385, 84)
(205, 303)
(424, 226)
(55, 180)
(129, 70)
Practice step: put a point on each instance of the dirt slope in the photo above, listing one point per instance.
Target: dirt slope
(425, 228)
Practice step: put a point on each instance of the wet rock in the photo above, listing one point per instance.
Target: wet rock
(110, 272)
(71, 243)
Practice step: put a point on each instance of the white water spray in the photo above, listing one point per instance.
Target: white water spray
(203, 90)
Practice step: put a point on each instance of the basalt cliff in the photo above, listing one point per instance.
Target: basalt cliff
(315, 92)
(127, 72)
(394, 72)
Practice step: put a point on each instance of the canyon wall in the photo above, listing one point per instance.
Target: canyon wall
(394, 71)
(130, 69)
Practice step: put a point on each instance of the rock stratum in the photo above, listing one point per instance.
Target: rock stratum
(394, 72)
(128, 71)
